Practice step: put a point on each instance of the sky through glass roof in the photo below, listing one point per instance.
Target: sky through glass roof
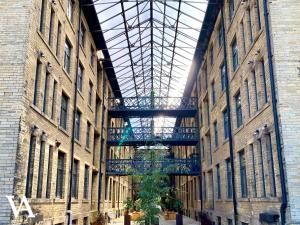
(151, 45)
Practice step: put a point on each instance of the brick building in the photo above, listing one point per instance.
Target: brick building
(42, 41)
(247, 145)
(246, 58)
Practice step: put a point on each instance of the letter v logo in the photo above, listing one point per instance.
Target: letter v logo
(20, 209)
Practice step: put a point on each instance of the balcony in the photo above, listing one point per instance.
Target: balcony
(171, 136)
(152, 106)
(173, 166)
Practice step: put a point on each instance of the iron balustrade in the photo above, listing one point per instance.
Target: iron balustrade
(173, 166)
(149, 106)
(144, 135)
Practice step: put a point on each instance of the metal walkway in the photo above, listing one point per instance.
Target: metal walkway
(146, 136)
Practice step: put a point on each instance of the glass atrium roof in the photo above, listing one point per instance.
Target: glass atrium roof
(151, 43)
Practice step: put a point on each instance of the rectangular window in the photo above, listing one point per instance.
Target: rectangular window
(58, 39)
(248, 12)
(243, 174)
(46, 87)
(205, 77)
(60, 178)
(203, 149)
(77, 124)
(37, 82)
(235, 57)
(52, 15)
(251, 148)
(216, 136)
(223, 77)
(238, 110)
(90, 93)
(225, 124)
(41, 170)
(64, 111)
(208, 113)
(92, 56)
(85, 220)
(53, 107)
(220, 36)
(201, 117)
(211, 53)
(218, 182)
(30, 168)
(248, 98)
(86, 182)
(70, 10)
(75, 177)
(258, 15)
(263, 79)
(229, 221)
(231, 9)
(88, 131)
(229, 178)
(243, 36)
(42, 16)
(49, 173)
(255, 90)
(106, 188)
(270, 161)
(82, 35)
(219, 222)
(262, 170)
(67, 57)
(204, 187)
(80, 78)
(213, 93)
(210, 150)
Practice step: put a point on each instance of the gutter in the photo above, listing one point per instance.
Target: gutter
(69, 204)
(228, 108)
(276, 116)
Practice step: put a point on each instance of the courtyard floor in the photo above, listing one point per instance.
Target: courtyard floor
(162, 221)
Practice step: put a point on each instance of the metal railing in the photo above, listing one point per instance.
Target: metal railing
(153, 103)
(127, 134)
(173, 166)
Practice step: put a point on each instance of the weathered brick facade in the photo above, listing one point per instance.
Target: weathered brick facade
(253, 130)
(34, 77)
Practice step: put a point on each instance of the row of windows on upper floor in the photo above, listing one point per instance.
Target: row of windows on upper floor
(57, 37)
(254, 96)
(42, 163)
(49, 102)
(247, 35)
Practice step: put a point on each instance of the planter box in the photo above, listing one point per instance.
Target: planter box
(136, 215)
(170, 215)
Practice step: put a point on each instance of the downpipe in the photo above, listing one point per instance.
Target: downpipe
(275, 115)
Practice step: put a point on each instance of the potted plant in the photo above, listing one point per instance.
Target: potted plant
(153, 186)
(100, 220)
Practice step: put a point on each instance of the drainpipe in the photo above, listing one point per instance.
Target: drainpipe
(199, 149)
(230, 138)
(69, 204)
(275, 115)
(102, 144)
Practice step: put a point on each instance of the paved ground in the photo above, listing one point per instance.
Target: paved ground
(186, 221)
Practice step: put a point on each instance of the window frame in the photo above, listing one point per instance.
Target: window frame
(238, 109)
